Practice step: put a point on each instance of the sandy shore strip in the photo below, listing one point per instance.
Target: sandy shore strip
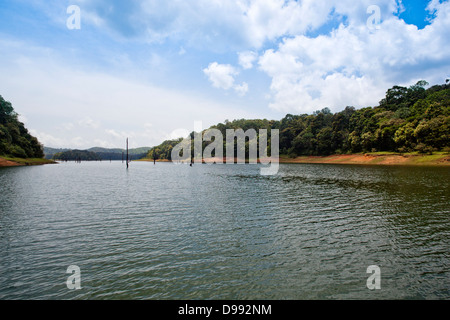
(439, 159)
(24, 162)
(7, 163)
(370, 159)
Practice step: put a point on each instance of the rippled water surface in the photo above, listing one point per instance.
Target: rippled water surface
(224, 232)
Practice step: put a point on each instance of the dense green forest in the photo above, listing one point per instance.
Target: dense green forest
(413, 119)
(77, 155)
(118, 154)
(408, 119)
(15, 140)
(103, 153)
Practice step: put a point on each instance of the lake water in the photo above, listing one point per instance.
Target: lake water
(224, 231)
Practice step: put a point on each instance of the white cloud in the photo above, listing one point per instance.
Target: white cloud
(348, 66)
(104, 143)
(89, 123)
(267, 20)
(113, 133)
(241, 89)
(216, 25)
(77, 142)
(23, 119)
(353, 66)
(178, 133)
(67, 126)
(99, 106)
(48, 139)
(247, 58)
(221, 75)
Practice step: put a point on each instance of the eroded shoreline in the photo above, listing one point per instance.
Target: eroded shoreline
(387, 159)
(23, 162)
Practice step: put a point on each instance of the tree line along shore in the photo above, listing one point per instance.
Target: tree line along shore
(410, 126)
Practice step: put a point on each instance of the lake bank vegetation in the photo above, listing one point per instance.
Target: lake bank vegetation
(409, 122)
(15, 140)
(17, 146)
(410, 125)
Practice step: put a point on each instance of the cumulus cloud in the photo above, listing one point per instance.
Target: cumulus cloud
(247, 58)
(241, 89)
(216, 25)
(353, 65)
(178, 133)
(113, 133)
(222, 76)
(315, 54)
(98, 106)
(88, 122)
(103, 143)
(48, 139)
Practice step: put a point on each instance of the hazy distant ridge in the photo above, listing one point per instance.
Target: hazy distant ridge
(103, 153)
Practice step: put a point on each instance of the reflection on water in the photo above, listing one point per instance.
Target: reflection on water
(223, 231)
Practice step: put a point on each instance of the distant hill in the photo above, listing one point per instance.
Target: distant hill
(50, 152)
(103, 153)
(77, 155)
(135, 151)
(116, 154)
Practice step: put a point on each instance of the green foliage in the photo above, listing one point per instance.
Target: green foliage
(164, 150)
(401, 97)
(15, 139)
(407, 119)
(77, 155)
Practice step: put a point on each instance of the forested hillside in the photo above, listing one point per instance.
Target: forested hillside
(406, 120)
(15, 140)
(411, 119)
(77, 155)
(100, 154)
(119, 154)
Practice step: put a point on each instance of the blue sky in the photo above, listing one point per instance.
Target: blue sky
(148, 69)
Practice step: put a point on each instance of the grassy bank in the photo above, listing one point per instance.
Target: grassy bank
(14, 162)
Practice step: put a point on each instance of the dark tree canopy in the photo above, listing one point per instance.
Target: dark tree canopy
(77, 155)
(15, 140)
(406, 120)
